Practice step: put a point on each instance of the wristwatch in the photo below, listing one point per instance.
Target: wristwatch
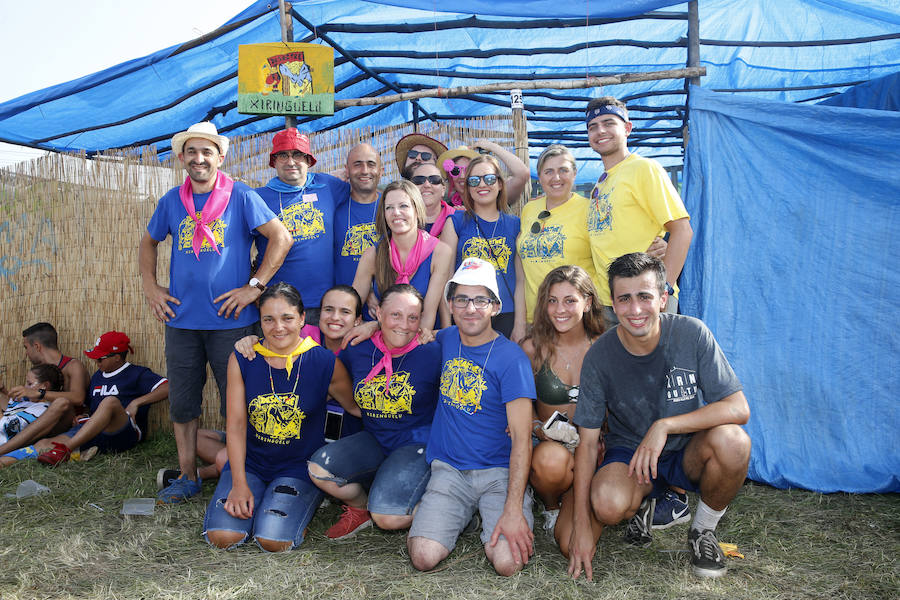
(669, 288)
(254, 282)
(41, 393)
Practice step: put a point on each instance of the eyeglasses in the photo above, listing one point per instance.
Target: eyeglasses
(294, 154)
(426, 156)
(538, 225)
(474, 180)
(456, 171)
(432, 179)
(479, 302)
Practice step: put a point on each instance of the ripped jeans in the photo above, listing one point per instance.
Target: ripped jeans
(282, 509)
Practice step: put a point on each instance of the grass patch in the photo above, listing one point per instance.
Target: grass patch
(796, 544)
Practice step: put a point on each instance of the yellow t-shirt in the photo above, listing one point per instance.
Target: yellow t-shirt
(627, 210)
(562, 241)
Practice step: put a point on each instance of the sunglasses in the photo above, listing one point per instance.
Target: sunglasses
(474, 180)
(538, 225)
(595, 193)
(432, 179)
(456, 171)
(294, 154)
(426, 156)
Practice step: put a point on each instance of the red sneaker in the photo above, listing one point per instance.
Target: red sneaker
(58, 454)
(349, 524)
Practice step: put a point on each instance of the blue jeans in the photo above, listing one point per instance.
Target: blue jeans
(282, 508)
(395, 481)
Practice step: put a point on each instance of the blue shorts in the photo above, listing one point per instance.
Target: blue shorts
(395, 481)
(187, 352)
(669, 468)
(124, 439)
(282, 508)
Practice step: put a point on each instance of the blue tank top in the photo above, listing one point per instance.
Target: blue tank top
(285, 427)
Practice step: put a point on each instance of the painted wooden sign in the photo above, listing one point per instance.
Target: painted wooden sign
(285, 79)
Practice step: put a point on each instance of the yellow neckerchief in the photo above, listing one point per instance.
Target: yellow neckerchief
(304, 345)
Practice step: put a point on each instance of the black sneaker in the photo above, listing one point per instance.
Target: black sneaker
(165, 477)
(637, 532)
(474, 523)
(707, 557)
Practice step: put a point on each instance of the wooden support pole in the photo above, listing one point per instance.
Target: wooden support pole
(549, 84)
(287, 35)
(520, 139)
(693, 61)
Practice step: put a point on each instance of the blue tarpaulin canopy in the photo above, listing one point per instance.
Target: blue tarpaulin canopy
(793, 50)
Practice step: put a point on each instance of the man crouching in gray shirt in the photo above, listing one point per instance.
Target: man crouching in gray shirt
(674, 408)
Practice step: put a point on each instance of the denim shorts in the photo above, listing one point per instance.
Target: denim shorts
(282, 508)
(669, 468)
(187, 352)
(395, 481)
(452, 498)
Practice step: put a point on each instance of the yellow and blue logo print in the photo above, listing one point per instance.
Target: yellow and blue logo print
(303, 220)
(186, 235)
(358, 238)
(370, 396)
(600, 217)
(276, 418)
(478, 247)
(545, 246)
(462, 383)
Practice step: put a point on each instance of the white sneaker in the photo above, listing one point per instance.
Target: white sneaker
(550, 517)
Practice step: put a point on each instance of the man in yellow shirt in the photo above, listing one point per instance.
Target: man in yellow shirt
(632, 202)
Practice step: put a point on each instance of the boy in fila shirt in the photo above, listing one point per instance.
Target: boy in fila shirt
(120, 395)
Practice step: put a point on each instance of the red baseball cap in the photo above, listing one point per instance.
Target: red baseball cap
(290, 139)
(111, 342)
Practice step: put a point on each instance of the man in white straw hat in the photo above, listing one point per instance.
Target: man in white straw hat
(480, 443)
(209, 303)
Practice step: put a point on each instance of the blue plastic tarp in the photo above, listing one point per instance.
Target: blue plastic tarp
(796, 210)
(744, 45)
(879, 94)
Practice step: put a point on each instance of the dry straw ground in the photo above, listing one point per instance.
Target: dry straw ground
(796, 544)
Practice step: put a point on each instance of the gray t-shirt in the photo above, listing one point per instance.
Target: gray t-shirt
(686, 371)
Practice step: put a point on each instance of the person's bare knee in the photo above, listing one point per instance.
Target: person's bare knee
(392, 522)
(224, 539)
(501, 558)
(272, 545)
(425, 554)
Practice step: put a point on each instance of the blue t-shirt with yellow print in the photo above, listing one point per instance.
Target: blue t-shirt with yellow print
(196, 282)
(469, 429)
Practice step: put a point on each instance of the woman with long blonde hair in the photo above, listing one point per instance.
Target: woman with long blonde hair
(406, 252)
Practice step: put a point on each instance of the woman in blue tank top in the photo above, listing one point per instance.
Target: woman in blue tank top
(406, 252)
(567, 320)
(275, 421)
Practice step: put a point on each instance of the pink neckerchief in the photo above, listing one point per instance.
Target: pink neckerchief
(212, 210)
(438, 226)
(456, 199)
(421, 250)
(386, 362)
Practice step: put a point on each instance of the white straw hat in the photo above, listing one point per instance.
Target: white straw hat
(205, 130)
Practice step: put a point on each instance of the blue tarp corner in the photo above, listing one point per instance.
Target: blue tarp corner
(796, 210)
